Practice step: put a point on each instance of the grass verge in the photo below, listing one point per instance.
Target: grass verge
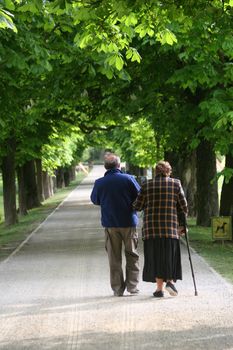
(12, 236)
(218, 254)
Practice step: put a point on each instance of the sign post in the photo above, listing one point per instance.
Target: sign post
(222, 228)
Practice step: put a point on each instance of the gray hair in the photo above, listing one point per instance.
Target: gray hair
(163, 168)
(111, 161)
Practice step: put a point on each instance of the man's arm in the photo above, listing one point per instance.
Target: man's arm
(140, 200)
(135, 187)
(94, 195)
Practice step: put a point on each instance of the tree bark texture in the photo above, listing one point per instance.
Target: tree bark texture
(52, 185)
(207, 189)
(134, 170)
(67, 176)
(46, 184)
(32, 198)
(9, 187)
(72, 172)
(39, 180)
(21, 192)
(60, 178)
(226, 203)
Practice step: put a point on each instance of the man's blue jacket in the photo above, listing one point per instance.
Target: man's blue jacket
(115, 193)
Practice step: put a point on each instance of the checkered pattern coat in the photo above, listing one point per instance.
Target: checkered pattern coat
(162, 200)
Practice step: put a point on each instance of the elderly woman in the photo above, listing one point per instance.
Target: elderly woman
(162, 200)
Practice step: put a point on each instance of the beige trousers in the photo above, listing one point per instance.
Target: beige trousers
(114, 237)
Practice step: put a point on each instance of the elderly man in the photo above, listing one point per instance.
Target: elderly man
(115, 193)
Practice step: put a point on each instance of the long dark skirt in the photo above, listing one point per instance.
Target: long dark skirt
(162, 259)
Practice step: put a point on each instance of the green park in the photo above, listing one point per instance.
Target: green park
(148, 80)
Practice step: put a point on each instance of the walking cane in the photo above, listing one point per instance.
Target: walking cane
(190, 260)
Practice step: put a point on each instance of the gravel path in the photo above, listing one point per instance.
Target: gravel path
(55, 293)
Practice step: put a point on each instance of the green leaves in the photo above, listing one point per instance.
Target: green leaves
(119, 63)
(61, 148)
(130, 19)
(83, 41)
(144, 29)
(229, 3)
(111, 29)
(214, 106)
(163, 61)
(166, 37)
(227, 173)
(116, 61)
(227, 45)
(33, 6)
(83, 14)
(136, 141)
(225, 120)
(133, 55)
(2, 123)
(6, 21)
(9, 5)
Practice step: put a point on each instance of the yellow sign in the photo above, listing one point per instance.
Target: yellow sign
(221, 228)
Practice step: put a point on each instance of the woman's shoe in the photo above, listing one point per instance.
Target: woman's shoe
(158, 294)
(171, 289)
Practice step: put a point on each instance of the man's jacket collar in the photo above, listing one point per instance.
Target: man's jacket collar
(113, 171)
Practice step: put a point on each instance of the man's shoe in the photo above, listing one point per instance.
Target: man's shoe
(134, 292)
(118, 294)
(158, 294)
(171, 289)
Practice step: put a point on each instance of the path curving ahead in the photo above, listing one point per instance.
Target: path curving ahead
(55, 293)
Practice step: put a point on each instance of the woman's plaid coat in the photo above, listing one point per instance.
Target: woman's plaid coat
(162, 199)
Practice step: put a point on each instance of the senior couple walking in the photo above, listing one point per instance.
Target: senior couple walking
(164, 207)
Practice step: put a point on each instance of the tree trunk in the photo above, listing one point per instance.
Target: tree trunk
(52, 184)
(39, 180)
(184, 168)
(21, 192)
(9, 188)
(189, 179)
(54, 180)
(60, 178)
(32, 199)
(67, 176)
(207, 189)
(176, 161)
(135, 170)
(226, 206)
(46, 184)
(72, 172)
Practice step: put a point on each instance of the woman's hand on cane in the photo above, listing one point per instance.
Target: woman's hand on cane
(182, 230)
